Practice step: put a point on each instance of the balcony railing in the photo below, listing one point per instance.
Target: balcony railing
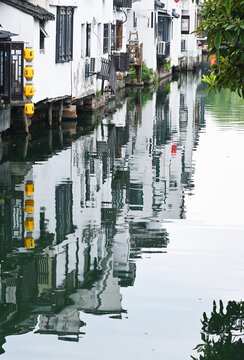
(123, 3)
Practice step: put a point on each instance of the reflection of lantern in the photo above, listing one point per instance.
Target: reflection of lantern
(29, 242)
(174, 149)
(29, 108)
(29, 224)
(29, 189)
(29, 206)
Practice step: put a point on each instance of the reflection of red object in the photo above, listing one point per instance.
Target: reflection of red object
(212, 59)
(173, 149)
(176, 0)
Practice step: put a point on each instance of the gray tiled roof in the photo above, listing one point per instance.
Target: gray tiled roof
(28, 8)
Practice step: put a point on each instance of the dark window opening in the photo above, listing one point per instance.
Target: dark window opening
(64, 43)
(151, 19)
(134, 20)
(105, 38)
(164, 28)
(88, 40)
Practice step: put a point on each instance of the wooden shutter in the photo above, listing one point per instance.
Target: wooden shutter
(119, 34)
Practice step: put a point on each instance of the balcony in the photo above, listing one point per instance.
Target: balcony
(123, 3)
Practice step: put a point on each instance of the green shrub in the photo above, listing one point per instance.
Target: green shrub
(146, 73)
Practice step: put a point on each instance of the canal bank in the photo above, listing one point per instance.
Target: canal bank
(129, 218)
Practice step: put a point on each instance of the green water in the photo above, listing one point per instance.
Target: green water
(118, 231)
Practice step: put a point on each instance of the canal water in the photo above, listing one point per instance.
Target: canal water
(118, 231)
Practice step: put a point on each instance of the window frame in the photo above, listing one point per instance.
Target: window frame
(64, 34)
(185, 19)
(106, 38)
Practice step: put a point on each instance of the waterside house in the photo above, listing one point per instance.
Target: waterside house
(59, 54)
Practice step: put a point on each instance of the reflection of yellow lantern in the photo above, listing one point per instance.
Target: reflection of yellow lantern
(29, 224)
(29, 242)
(29, 189)
(29, 206)
(29, 72)
(29, 108)
(28, 54)
(29, 90)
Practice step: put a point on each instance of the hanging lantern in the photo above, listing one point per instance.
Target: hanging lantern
(29, 189)
(29, 90)
(28, 54)
(29, 72)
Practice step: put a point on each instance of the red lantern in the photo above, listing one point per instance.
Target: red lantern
(176, 1)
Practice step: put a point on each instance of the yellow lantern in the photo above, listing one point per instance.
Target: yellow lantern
(29, 90)
(29, 242)
(29, 224)
(28, 54)
(29, 72)
(29, 206)
(29, 108)
(29, 189)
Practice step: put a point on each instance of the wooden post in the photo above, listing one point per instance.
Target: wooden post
(50, 140)
(60, 136)
(50, 114)
(102, 86)
(25, 122)
(25, 146)
(60, 111)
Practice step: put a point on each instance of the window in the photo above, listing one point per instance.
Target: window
(164, 28)
(113, 37)
(105, 38)
(99, 39)
(83, 40)
(183, 45)
(151, 19)
(88, 40)
(185, 24)
(43, 35)
(134, 20)
(64, 42)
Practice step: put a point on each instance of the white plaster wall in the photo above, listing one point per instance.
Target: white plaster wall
(92, 12)
(143, 11)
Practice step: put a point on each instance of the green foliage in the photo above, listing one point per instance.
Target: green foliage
(98, 94)
(168, 65)
(167, 86)
(221, 333)
(132, 73)
(223, 24)
(146, 73)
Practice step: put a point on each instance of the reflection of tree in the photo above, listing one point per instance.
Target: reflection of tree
(222, 333)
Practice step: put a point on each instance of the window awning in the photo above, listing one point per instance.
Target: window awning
(44, 31)
(175, 14)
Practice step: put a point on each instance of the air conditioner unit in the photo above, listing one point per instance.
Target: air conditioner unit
(161, 48)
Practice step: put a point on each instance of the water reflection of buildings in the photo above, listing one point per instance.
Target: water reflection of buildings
(72, 224)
